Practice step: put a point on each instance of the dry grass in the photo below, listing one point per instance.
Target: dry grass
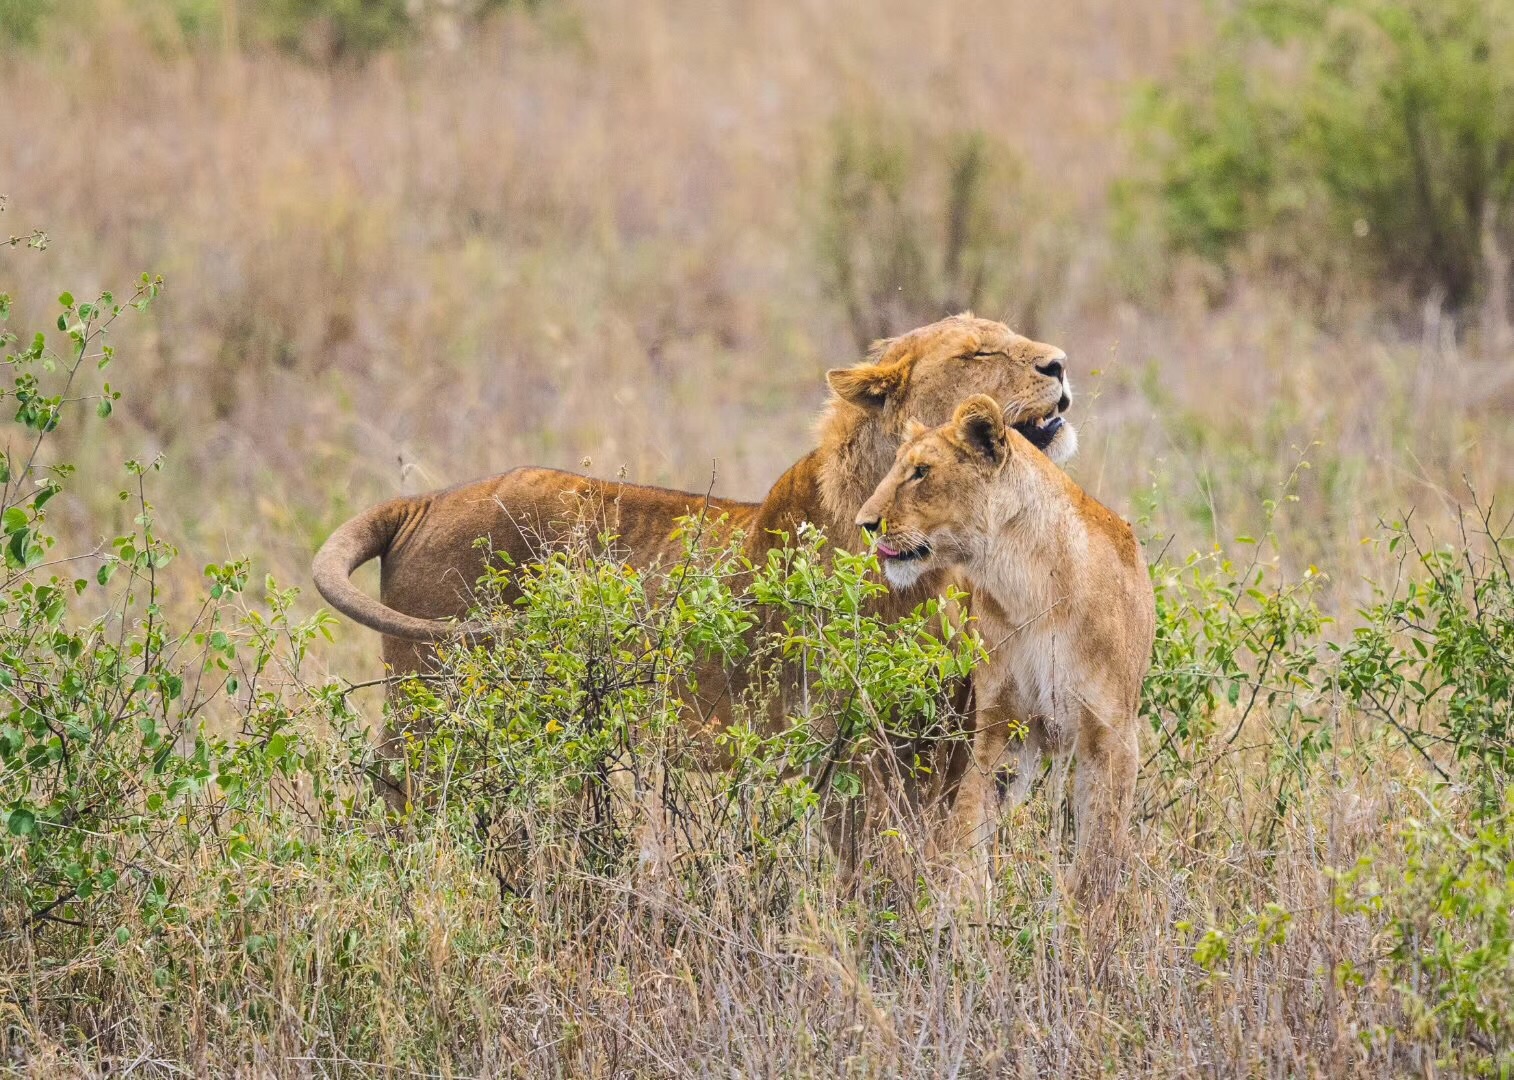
(590, 234)
(416, 963)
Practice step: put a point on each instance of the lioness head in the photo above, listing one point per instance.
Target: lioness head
(923, 375)
(935, 501)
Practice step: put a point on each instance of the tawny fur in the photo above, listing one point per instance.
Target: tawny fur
(1062, 599)
(428, 544)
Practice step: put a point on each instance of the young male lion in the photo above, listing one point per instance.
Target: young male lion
(1062, 599)
(428, 544)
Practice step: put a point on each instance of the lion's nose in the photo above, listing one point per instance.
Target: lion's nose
(868, 523)
(1051, 369)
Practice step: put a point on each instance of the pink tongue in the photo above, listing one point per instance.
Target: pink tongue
(886, 551)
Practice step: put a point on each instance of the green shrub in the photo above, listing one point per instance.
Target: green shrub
(334, 28)
(123, 742)
(1374, 136)
(1235, 644)
(574, 712)
(1430, 662)
(1450, 955)
(21, 20)
(1435, 658)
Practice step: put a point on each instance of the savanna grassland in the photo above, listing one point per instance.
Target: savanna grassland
(403, 246)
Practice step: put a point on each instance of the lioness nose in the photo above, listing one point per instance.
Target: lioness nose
(867, 522)
(1052, 369)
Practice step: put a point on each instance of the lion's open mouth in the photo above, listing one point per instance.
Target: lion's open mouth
(1040, 433)
(889, 552)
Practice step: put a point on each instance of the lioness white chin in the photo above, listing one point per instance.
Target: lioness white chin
(1062, 599)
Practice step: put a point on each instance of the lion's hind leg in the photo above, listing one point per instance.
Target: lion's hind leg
(1106, 761)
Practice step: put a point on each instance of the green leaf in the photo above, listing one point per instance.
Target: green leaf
(14, 520)
(22, 822)
(66, 299)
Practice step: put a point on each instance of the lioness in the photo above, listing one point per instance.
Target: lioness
(1063, 601)
(428, 543)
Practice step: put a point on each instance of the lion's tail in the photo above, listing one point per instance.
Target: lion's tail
(368, 536)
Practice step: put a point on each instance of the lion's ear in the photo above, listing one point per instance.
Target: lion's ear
(978, 425)
(913, 429)
(869, 386)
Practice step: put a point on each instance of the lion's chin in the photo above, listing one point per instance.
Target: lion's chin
(1064, 445)
(903, 573)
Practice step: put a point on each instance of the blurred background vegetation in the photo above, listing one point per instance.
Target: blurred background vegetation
(416, 241)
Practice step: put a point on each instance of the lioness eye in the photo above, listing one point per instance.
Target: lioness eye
(920, 473)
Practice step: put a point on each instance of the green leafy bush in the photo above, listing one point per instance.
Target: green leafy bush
(1430, 662)
(123, 741)
(1371, 136)
(21, 20)
(1435, 658)
(1235, 645)
(1447, 917)
(576, 712)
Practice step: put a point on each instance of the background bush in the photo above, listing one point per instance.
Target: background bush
(324, 30)
(914, 225)
(1374, 137)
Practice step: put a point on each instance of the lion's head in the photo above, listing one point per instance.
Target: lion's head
(924, 374)
(931, 508)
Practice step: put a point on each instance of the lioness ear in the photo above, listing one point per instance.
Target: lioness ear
(913, 429)
(869, 386)
(979, 429)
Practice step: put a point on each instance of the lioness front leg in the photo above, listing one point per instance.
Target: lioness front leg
(974, 819)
